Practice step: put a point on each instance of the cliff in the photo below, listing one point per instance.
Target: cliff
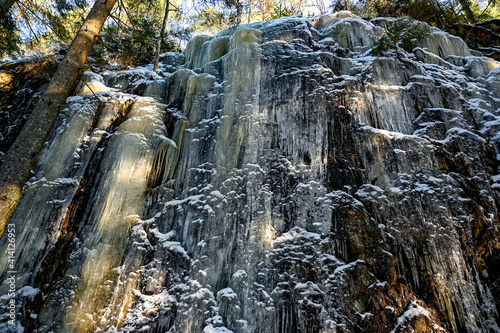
(276, 177)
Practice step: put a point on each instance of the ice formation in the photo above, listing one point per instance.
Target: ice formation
(275, 177)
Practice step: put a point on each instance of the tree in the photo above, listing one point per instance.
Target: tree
(264, 8)
(466, 7)
(162, 35)
(9, 36)
(131, 35)
(404, 33)
(21, 157)
(249, 11)
(434, 12)
(238, 5)
(5, 6)
(32, 27)
(210, 20)
(232, 5)
(289, 8)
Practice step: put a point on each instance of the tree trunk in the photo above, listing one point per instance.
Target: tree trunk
(238, 12)
(22, 156)
(249, 11)
(162, 35)
(5, 6)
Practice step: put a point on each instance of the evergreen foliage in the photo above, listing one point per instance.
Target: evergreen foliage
(9, 37)
(404, 33)
(129, 38)
(282, 11)
(211, 20)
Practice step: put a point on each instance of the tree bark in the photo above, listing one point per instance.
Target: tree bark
(249, 10)
(162, 35)
(5, 6)
(22, 156)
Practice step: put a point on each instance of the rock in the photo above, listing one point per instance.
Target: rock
(484, 36)
(173, 59)
(480, 66)
(21, 83)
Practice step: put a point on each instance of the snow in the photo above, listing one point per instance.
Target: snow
(226, 293)
(388, 134)
(379, 284)
(193, 199)
(211, 329)
(347, 266)
(28, 292)
(296, 232)
(456, 131)
(239, 274)
(413, 312)
(177, 248)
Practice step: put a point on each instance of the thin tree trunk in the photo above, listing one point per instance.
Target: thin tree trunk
(162, 36)
(440, 16)
(249, 11)
(22, 156)
(5, 6)
(238, 12)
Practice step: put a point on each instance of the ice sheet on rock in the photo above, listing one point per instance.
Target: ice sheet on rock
(348, 30)
(91, 83)
(125, 168)
(443, 44)
(211, 329)
(289, 184)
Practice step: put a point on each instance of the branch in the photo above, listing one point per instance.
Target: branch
(122, 4)
(27, 21)
(490, 2)
(118, 20)
(100, 41)
(93, 93)
(175, 7)
(34, 14)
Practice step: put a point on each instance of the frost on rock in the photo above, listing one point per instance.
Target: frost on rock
(276, 177)
(90, 83)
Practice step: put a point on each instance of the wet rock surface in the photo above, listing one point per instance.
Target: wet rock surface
(275, 178)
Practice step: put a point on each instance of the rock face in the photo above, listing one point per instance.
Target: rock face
(21, 84)
(274, 178)
(484, 36)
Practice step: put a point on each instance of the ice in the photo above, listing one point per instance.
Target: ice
(226, 293)
(443, 44)
(347, 266)
(291, 181)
